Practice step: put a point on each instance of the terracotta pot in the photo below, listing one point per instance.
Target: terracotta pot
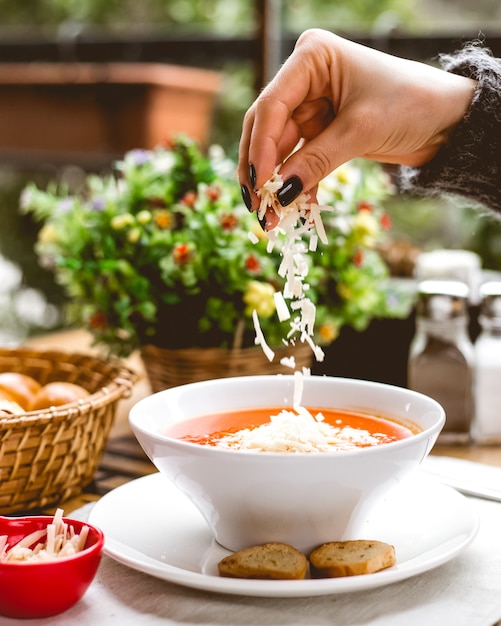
(91, 113)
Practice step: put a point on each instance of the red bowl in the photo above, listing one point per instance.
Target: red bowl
(41, 589)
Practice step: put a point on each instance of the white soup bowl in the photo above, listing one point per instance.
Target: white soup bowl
(305, 499)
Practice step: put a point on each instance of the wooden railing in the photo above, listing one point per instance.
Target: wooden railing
(213, 51)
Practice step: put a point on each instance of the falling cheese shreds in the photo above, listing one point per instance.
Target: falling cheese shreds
(288, 361)
(253, 237)
(317, 350)
(313, 243)
(299, 218)
(283, 312)
(317, 220)
(298, 390)
(260, 340)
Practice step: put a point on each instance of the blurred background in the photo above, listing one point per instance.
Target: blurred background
(81, 81)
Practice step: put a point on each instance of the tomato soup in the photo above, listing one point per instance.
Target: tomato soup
(279, 430)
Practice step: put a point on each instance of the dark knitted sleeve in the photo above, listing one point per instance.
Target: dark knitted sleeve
(469, 164)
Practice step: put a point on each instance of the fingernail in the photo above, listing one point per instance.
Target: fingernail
(252, 176)
(290, 190)
(246, 197)
(262, 221)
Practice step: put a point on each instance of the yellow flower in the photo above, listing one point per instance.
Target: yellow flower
(365, 229)
(163, 219)
(144, 217)
(47, 234)
(122, 221)
(259, 297)
(344, 291)
(133, 235)
(328, 332)
(343, 174)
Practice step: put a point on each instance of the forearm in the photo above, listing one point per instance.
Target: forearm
(469, 163)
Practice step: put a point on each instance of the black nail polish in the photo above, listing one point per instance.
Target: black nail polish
(246, 197)
(290, 190)
(252, 176)
(262, 221)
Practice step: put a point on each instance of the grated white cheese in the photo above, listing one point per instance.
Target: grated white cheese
(60, 541)
(298, 390)
(260, 340)
(297, 219)
(253, 237)
(298, 431)
(283, 312)
(288, 361)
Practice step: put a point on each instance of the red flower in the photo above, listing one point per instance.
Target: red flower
(229, 221)
(181, 253)
(363, 205)
(213, 192)
(253, 264)
(358, 258)
(189, 198)
(98, 320)
(385, 221)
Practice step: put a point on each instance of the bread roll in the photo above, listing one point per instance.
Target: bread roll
(278, 561)
(8, 408)
(351, 558)
(21, 387)
(57, 394)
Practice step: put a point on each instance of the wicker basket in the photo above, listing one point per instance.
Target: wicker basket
(169, 368)
(49, 456)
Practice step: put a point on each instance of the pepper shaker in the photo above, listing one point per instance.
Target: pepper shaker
(441, 355)
(487, 423)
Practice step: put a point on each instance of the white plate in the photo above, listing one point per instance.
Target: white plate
(152, 527)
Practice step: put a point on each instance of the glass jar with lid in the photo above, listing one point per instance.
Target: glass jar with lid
(487, 422)
(441, 355)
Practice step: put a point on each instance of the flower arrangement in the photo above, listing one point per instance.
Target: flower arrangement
(158, 252)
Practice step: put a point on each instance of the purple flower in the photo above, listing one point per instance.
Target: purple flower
(65, 205)
(139, 157)
(98, 204)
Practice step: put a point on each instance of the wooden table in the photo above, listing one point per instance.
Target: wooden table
(124, 459)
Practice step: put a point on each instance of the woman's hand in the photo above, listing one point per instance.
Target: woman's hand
(334, 100)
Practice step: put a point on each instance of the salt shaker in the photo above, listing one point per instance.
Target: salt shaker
(441, 355)
(486, 427)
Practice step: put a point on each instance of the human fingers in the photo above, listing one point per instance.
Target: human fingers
(318, 157)
(274, 136)
(243, 161)
(296, 106)
(269, 150)
(312, 117)
(270, 131)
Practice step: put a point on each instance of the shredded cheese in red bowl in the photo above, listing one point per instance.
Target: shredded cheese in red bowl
(46, 564)
(58, 540)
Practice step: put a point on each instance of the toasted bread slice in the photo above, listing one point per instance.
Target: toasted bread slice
(278, 561)
(351, 558)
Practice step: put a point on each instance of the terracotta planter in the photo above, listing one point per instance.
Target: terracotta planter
(93, 112)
